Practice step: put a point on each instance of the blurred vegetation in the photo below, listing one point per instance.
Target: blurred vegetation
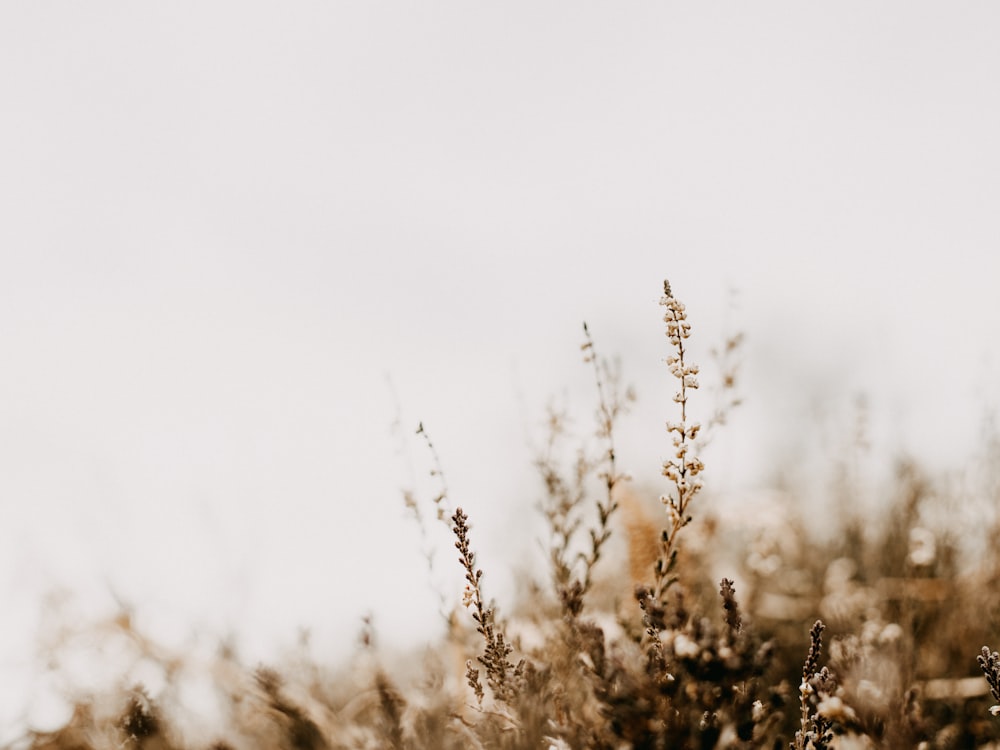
(658, 623)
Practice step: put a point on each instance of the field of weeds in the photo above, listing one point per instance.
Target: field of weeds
(660, 621)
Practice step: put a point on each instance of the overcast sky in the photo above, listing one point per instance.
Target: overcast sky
(240, 240)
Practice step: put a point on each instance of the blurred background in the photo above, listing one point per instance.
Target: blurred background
(247, 247)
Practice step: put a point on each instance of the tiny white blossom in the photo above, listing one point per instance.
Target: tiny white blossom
(684, 647)
(833, 708)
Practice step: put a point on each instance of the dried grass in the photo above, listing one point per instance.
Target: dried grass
(640, 646)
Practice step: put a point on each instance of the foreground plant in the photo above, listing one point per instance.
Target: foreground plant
(821, 705)
(816, 731)
(501, 675)
(683, 467)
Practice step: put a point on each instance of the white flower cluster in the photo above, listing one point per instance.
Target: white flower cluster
(676, 317)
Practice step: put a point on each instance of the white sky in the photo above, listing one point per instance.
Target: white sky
(225, 224)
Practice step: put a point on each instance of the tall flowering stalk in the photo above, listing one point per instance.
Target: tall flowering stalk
(683, 467)
(818, 702)
(501, 675)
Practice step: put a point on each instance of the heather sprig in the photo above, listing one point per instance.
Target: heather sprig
(567, 489)
(440, 500)
(501, 674)
(989, 662)
(565, 493)
(811, 664)
(816, 729)
(442, 513)
(612, 403)
(726, 392)
(683, 467)
(732, 607)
